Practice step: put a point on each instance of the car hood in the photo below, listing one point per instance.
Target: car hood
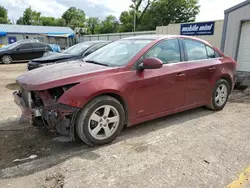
(3, 49)
(60, 75)
(53, 56)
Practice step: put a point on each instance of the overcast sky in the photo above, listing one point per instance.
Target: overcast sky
(210, 9)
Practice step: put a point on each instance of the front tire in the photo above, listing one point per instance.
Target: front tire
(220, 95)
(6, 59)
(101, 121)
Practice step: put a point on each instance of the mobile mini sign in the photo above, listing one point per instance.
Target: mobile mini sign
(204, 28)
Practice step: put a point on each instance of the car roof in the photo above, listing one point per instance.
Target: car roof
(159, 37)
(95, 42)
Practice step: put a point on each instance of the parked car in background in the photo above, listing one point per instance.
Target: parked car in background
(127, 82)
(23, 51)
(77, 51)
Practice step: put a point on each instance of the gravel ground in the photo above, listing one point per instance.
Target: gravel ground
(7, 85)
(197, 148)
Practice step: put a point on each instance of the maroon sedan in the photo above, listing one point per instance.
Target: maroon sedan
(127, 82)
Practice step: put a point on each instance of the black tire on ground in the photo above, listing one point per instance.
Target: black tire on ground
(6, 59)
(213, 105)
(84, 115)
(240, 87)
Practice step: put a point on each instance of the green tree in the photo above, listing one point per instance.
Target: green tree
(30, 17)
(27, 16)
(93, 25)
(4, 16)
(60, 22)
(74, 17)
(20, 21)
(36, 18)
(127, 21)
(140, 7)
(109, 25)
(164, 12)
(48, 21)
(153, 13)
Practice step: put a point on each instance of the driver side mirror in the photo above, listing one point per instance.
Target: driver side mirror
(17, 49)
(150, 63)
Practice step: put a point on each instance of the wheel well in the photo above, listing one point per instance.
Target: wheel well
(3, 55)
(122, 101)
(228, 79)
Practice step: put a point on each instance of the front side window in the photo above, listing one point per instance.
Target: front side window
(117, 53)
(195, 50)
(167, 51)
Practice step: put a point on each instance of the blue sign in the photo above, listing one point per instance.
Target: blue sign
(11, 40)
(204, 28)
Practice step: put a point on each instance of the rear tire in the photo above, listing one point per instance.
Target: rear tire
(101, 121)
(6, 59)
(219, 96)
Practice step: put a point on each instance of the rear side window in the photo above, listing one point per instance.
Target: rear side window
(38, 45)
(211, 53)
(25, 46)
(195, 50)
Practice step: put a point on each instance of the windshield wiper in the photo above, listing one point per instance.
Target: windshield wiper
(97, 63)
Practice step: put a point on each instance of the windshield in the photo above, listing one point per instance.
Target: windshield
(77, 49)
(117, 53)
(10, 46)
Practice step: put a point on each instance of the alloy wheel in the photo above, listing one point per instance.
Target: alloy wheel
(104, 122)
(221, 95)
(6, 59)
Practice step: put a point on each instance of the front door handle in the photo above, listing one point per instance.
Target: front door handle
(211, 69)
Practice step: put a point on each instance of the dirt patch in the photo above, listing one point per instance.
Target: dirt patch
(12, 86)
(19, 144)
(54, 181)
(240, 96)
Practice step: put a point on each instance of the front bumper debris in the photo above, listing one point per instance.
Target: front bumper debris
(56, 117)
(26, 112)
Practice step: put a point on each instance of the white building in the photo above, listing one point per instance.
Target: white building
(236, 39)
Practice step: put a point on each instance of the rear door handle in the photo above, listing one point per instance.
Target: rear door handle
(211, 69)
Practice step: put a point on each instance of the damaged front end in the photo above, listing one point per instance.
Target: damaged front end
(44, 106)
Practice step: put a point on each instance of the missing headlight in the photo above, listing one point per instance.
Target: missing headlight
(57, 92)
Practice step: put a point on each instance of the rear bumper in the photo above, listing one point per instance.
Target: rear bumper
(26, 112)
